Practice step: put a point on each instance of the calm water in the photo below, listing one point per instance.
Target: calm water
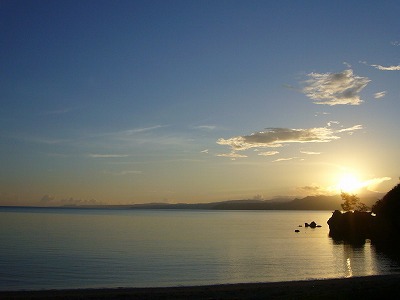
(71, 248)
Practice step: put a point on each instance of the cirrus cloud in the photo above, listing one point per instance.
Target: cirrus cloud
(335, 88)
(232, 155)
(284, 159)
(388, 68)
(310, 152)
(268, 153)
(97, 155)
(380, 95)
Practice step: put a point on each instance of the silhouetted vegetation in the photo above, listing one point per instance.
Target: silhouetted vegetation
(352, 202)
(388, 207)
(387, 221)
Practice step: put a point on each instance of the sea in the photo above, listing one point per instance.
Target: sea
(57, 248)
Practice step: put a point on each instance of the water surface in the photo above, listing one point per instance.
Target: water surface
(72, 248)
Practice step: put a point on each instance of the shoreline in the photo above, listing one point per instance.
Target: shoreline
(369, 287)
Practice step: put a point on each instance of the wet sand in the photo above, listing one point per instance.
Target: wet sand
(369, 287)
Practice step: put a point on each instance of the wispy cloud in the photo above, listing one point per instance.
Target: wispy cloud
(380, 95)
(273, 137)
(232, 155)
(50, 200)
(395, 43)
(44, 140)
(284, 159)
(335, 88)
(205, 127)
(96, 155)
(125, 172)
(388, 68)
(310, 152)
(146, 135)
(330, 123)
(382, 68)
(350, 129)
(268, 153)
(318, 113)
(369, 185)
(311, 189)
(142, 129)
(277, 137)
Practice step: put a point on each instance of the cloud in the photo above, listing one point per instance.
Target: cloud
(49, 200)
(284, 159)
(311, 189)
(350, 129)
(347, 64)
(126, 172)
(46, 199)
(371, 184)
(95, 155)
(380, 95)
(389, 68)
(330, 123)
(143, 129)
(47, 141)
(310, 152)
(276, 137)
(72, 201)
(395, 43)
(204, 151)
(268, 153)
(335, 88)
(232, 155)
(318, 113)
(205, 127)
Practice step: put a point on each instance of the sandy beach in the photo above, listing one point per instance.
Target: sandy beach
(369, 287)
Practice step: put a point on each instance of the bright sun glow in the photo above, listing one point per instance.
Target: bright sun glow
(349, 183)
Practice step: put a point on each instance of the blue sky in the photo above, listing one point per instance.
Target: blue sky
(195, 101)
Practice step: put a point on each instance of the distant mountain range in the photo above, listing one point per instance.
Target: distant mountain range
(320, 202)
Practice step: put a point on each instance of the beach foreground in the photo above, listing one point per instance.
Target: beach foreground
(369, 287)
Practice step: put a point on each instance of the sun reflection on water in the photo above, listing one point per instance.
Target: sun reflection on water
(349, 270)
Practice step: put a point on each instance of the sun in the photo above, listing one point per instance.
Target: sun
(349, 183)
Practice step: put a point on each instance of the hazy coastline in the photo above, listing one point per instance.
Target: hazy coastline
(318, 202)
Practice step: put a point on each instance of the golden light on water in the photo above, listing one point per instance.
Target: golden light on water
(348, 268)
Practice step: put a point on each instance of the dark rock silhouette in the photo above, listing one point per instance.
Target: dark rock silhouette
(297, 230)
(381, 226)
(353, 227)
(311, 225)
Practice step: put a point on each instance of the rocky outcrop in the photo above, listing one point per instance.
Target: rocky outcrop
(353, 227)
(381, 226)
(311, 225)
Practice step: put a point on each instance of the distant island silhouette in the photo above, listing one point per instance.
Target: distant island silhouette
(319, 202)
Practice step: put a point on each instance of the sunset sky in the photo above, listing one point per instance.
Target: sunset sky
(124, 102)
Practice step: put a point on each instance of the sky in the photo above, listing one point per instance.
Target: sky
(120, 102)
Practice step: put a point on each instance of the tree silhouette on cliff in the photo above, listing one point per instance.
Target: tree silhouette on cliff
(352, 202)
(388, 208)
